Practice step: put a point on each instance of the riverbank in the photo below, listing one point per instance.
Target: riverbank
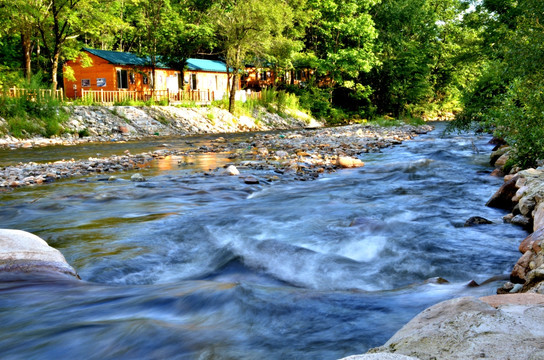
(126, 123)
(297, 155)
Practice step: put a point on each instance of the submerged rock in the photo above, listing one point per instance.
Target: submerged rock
(477, 220)
(137, 178)
(24, 252)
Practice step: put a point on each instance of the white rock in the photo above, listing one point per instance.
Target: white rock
(23, 251)
(231, 170)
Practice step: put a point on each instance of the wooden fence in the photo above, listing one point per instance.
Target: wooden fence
(119, 96)
(33, 94)
(102, 96)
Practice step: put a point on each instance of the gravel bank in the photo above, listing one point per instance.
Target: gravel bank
(298, 155)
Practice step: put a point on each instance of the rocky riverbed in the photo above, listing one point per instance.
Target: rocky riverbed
(523, 195)
(298, 155)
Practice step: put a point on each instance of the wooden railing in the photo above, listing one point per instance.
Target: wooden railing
(119, 96)
(33, 94)
(102, 96)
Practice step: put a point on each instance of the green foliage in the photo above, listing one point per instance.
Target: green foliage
(34, 114)
(508, 96)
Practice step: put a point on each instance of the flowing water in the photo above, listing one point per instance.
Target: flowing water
(190, 266)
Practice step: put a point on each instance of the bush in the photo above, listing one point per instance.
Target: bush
(34, 114)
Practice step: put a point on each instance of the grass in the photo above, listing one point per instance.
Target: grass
(272, 100)
(33, 115)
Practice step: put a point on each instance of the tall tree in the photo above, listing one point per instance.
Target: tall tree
(60, 23)
(246, 29)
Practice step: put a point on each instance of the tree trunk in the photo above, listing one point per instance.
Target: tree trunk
(232, 95)
(27, 45)
(55, 69)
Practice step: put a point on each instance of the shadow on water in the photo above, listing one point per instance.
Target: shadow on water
(189, 266)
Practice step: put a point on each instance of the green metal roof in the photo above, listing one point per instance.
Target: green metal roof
(206, 65)
(126, 58)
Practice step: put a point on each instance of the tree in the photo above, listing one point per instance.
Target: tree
(246, 29)
(419, 51)
(60, 23)
(19, 19)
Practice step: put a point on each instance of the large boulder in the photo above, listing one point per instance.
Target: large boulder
(496, 327)
(24, 252)
(503, 197)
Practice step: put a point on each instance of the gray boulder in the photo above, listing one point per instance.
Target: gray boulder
(498, 327)
(21, 251)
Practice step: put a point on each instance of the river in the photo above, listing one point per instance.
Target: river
(191, 266)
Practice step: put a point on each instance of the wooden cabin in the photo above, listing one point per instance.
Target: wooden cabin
(258, 78)
(123, 71)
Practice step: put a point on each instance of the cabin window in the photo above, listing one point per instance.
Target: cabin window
(122, 79)
(193, 82)
(145, 79)
(85, 82)
(132, 78)
(263, 75)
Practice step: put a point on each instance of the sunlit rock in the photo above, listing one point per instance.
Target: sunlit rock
(21, 251)
(349, 162)
(231, 170)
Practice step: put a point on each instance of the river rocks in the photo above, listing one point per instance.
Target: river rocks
(523, 194)
(23, 252)
(380, 356)
(137, 178)
(231, 170)
(349, 162)
(503, 197)
(251, 180)
(299, 155)
(468, 328)
(476, 220)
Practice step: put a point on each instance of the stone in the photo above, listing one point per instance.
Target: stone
(477, 220)
(495, 327)
(538, 217)
(349, 162)
(137, 178)
(282, 154)
(521, 268)
(502, 198)
(526, 205)
(380, 356)
(251, 180)
(231, 170)
(521, 220)
(21, 251)
(501, 161)
(495, 155)
(527, 243)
